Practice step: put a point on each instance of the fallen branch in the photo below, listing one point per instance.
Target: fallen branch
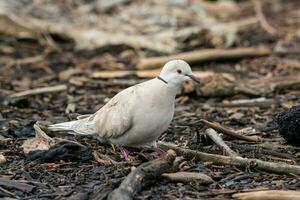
(143, 175)
(269, 151)
(204, 55)
(278, 168)
(149, 74)
(229, 132)
(219, 142)
(42, 90)
(268, 195)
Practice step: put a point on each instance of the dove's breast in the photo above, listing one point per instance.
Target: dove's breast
(153, 113)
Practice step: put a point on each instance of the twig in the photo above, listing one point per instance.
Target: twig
(216, 192)
(269, 151)
(278, 168)
(204, 55)
(219, 142)
(8, 193)
(258, 102)
(261, 17)
(143, 175)
(229, 132)
(42, 90)
(28, 60)
(268, 195)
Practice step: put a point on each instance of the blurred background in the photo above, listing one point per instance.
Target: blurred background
(60, 58)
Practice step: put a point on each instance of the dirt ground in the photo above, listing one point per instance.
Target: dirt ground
(27, 63)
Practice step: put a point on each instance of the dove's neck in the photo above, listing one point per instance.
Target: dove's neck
(171, 82)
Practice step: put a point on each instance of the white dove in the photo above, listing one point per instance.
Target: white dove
(138, 115)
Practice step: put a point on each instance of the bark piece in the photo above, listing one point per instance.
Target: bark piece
(143, 175)
(186, 177)
(16, 185)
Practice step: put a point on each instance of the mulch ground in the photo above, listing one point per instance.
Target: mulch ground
(80, 176)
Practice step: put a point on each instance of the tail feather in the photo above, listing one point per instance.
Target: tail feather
(77, 127)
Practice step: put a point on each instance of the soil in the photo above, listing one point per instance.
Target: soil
(65, 174)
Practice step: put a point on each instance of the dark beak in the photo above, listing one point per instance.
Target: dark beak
(194, 78)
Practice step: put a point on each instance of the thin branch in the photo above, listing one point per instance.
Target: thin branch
(229, 132)
(219, 142)
(204, 55)
(258, 102)
(278, 168)
(42, 90)
(269, 151)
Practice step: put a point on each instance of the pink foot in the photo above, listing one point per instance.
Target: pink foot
(160, 152)
(125, 154)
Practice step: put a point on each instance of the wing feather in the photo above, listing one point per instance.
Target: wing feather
(115, 118)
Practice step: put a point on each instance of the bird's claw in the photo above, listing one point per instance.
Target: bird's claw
(125, 154)
(160, 152)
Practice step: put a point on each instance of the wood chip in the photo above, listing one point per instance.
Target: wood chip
(16, 185)
(186, 177)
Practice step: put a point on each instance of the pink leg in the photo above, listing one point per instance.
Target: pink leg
(125, 153)
(160, 152)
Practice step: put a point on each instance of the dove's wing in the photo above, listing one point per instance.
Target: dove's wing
(111, 121)
(115, 118)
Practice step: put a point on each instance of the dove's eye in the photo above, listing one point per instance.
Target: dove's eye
(179, 71)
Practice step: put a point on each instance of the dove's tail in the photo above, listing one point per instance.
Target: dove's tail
(77, 127)
(65, 126)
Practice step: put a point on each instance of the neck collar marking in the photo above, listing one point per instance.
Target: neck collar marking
(163, 80)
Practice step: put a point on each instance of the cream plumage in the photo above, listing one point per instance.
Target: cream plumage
(138, 115)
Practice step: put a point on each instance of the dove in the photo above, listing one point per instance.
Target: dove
(138, 115)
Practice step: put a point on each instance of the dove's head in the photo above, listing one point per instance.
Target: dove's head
(176, 72)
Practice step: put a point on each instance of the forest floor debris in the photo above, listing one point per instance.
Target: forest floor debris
(239, 94)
